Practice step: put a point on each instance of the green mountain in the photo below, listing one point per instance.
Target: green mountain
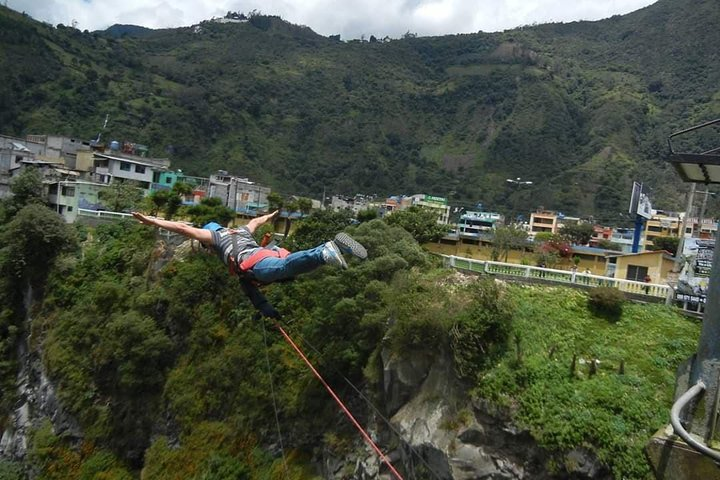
(581, 109)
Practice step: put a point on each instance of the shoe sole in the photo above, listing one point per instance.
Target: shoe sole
(338, 255)
(348, 245)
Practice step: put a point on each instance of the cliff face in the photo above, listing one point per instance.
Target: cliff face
(37, 402)
(448, 436)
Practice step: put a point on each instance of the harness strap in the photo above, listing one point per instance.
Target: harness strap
(261, 254)
(232, 261)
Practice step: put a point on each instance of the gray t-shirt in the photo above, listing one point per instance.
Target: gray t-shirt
(243, 239)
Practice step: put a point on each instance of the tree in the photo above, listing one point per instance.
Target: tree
(304, 205)
(608, 245)
(210, 210)
(157, 201)
(275, 201)
(178, 191)
(669, 244)
(507, 238)
(420, 222)
(319, 226)
(578, 233)
(27, 187)
(121, 196)
(367, 215)
(552, 250)
(31, 241)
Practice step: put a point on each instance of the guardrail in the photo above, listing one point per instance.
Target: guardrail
(103, 214)
(107, 215)
(558, 276)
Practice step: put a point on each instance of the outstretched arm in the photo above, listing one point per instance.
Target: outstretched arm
(257, 222)
(199, 234)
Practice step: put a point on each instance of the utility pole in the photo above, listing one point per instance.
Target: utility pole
(677, 265)
(702, 209)
(683, 228)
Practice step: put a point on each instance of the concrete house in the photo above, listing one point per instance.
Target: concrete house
(635, 266)
(239, 194)
(116, 166)
(545, 221)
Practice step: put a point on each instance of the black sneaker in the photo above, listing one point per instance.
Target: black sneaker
(346, 244)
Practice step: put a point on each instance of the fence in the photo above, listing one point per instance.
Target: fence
(104, 215)
(557, 276)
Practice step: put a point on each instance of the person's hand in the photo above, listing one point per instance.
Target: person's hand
(142, 218)
(274, 215)
(269, 311)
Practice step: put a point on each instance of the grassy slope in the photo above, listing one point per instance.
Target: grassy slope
(612, 413)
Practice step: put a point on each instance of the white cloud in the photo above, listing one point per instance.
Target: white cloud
(327, 17)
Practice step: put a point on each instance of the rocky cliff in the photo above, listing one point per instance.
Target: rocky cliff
(448, 436)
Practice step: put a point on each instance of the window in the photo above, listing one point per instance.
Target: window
(125, 166)
(18, 158)
(69, 208)
(68, 191)
(168, 180)
(139, 168)
(637, 273)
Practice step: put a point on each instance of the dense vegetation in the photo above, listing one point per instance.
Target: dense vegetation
(159, 359)
(581, 109)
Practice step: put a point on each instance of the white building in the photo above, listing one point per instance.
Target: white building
(239, 194)
(108, 168)
(438, 204)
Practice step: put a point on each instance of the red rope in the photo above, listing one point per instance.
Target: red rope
(341, 404)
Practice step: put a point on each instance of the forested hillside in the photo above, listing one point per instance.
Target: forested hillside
(581, 109)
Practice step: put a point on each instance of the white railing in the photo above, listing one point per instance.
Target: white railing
(102, 214)
(559, 276)
(107, 215)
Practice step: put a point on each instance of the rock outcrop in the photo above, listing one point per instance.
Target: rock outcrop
(450, 437)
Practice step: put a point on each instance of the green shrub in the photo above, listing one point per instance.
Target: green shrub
(481, 330)
(607, 302)
(10, 470)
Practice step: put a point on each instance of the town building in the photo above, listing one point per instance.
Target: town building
(478, 225)
(239, 194)
(662, 224)
(165, 180)
(704, 228)
(638, 266)
(70, 197)
(13, 152)
(437, 204)
(545, 221)
(355, 204)
(624, 238)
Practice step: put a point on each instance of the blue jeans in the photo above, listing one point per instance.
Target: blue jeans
(272, 269)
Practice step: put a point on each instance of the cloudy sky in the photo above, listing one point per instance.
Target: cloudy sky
(327, 17)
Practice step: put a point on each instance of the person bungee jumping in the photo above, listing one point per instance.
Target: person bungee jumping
(253, 263)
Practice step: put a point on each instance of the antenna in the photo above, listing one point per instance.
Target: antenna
(97, 140)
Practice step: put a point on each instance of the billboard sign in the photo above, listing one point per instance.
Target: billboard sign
(693, 283)
(703, 258)
(434, 199)
(639, 202)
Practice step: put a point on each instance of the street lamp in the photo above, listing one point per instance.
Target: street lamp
(518, 181)
(697, 386)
